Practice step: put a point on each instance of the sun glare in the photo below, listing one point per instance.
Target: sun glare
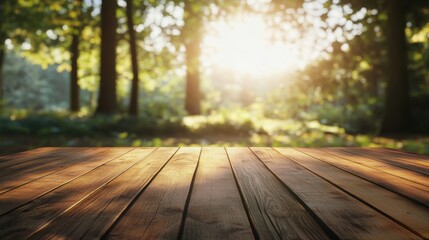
(244, 45)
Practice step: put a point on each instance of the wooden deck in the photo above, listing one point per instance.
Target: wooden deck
(214, 193)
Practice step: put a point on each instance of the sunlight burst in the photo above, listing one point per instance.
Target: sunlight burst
(244, 45)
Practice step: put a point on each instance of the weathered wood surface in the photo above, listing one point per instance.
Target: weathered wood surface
(158, 211)
(214, 193)
(215, 208)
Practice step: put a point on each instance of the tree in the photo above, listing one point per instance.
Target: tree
(397, 108)
(74, 50)
(7, 25)
(74, 85)
(192, 36)
(3, 36)
(107, 92)
(17, 23)
(133, 107)
(396, 111)
(195, 15)
(56, 20)
(2, 53)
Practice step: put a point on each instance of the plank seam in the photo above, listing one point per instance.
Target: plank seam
(121, 214)
(391, 162)
(95, 219)
(188, 200)
(50, 173)
(403, 155)
(90, 194)
(52, 189)
(15, 156)
(57, 163)
(365, 165)
(356, 197)
(321, 223)
(243, 199)
(401, 151)
(361, 177)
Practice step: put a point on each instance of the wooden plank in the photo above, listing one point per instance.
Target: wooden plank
(19, 160)
(21, 157)
(27, 219)
(215, 210)
(157, 212)
(30, 171)
(380, 165)
(273, 210)
(32, 190)
(404, 156)
(45, 155)
(346, 216)
(413, 216)
(396, 158)
(93, 216)
(406, 188)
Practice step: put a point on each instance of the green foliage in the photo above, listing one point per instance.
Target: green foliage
(419, 78)
(49, 124)
(223, 122)
(25, 130)
(29, 86)
(327, 104)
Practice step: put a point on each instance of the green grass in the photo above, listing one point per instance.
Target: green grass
(239, 128)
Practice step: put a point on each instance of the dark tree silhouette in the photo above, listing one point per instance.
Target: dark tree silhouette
(193, 98)
(133, 108)
(396, 111)
(74, 85)
(74, 51)
(192, 34)
(107, 93)
(2, 50)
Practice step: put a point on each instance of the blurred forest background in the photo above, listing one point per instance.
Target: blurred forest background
(214, 72)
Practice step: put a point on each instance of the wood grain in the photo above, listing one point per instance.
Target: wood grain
(410, 214)
(157, 213)
(18, 175)
(25, 220)
(274, 211)
(422, 160)
(394, 158)
(214, 193)
(93, 216)
(215, 209)
(346, 216)
(46, 155)
(23, 194)
(380, 165)
(21, 157)
(41, 155)
(406, 188)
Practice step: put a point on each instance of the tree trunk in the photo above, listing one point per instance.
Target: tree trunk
(107, 93)
(2, 54)
(396, 110)
(134, 99)
(74, 85)
(74, 51)
(192, 101)
(192, 36)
